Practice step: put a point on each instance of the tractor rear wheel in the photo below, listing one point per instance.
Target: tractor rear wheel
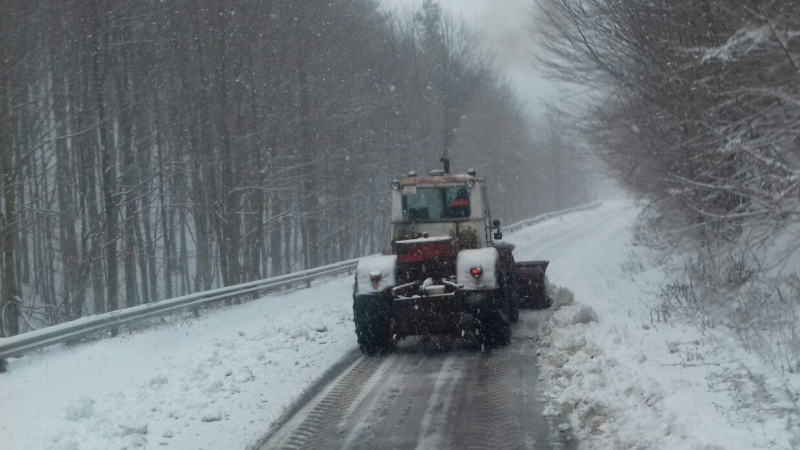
(494, 323)
(373, 319)
(513, 299)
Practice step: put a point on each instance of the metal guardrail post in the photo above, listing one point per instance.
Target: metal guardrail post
(3, 366)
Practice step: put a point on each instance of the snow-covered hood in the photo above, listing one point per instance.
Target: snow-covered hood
(425, 240)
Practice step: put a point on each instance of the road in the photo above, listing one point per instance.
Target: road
(445, 394)
(436, 394)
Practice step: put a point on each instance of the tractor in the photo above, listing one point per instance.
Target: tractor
(446, 272)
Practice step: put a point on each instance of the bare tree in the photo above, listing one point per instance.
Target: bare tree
(150, 151)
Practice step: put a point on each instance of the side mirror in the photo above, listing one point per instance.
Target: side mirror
(496, 224)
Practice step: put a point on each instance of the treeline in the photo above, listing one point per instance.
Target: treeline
(693, 103)
(696, 105)
(155, 148)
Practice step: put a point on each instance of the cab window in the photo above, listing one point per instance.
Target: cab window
(433, 204)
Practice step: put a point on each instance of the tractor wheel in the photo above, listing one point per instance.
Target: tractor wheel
(373, 319)
(514, 315)
(494, 323)
(513, 299)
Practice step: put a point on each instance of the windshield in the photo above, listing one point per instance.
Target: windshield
(435, 203)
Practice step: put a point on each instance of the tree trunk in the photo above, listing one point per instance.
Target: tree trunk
(69, 250)
(108, 161)
(8, 223)
(310, 199)
(129, 180)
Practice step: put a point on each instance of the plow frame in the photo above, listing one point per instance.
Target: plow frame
(532, 284)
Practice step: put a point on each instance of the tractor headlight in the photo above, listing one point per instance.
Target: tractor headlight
(470, 183)
(395, 185)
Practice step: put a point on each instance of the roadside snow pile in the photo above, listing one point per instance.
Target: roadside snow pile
(627, 373)
(611, 405)
(217, 382)
(81, 409)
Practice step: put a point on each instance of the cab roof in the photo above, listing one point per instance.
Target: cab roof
(439, 179)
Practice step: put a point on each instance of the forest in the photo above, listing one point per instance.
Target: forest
(150, 149)
(695, 107)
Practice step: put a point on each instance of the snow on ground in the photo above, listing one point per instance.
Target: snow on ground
(627, 376)
(217, 382)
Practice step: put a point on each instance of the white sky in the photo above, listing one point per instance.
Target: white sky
(505, 26)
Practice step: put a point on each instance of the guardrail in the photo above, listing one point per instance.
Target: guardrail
(551, 215)
(76, 329)
(69, 331)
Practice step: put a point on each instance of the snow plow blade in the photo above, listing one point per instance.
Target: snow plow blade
(531, 284)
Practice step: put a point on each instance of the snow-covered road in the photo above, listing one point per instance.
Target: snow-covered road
(441, 394)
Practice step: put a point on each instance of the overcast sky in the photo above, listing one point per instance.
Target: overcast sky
(505, 26)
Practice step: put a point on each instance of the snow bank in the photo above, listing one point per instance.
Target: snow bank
(625, 375)
(612, 399)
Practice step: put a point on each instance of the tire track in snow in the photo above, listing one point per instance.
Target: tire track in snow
(483, 418)
(316, 431)
(439, 403)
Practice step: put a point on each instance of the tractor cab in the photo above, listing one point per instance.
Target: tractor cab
(445, 274)
(442, 205)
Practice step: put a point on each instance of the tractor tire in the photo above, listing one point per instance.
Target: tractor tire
(373, 319)
(494, 323)
(513, 299)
